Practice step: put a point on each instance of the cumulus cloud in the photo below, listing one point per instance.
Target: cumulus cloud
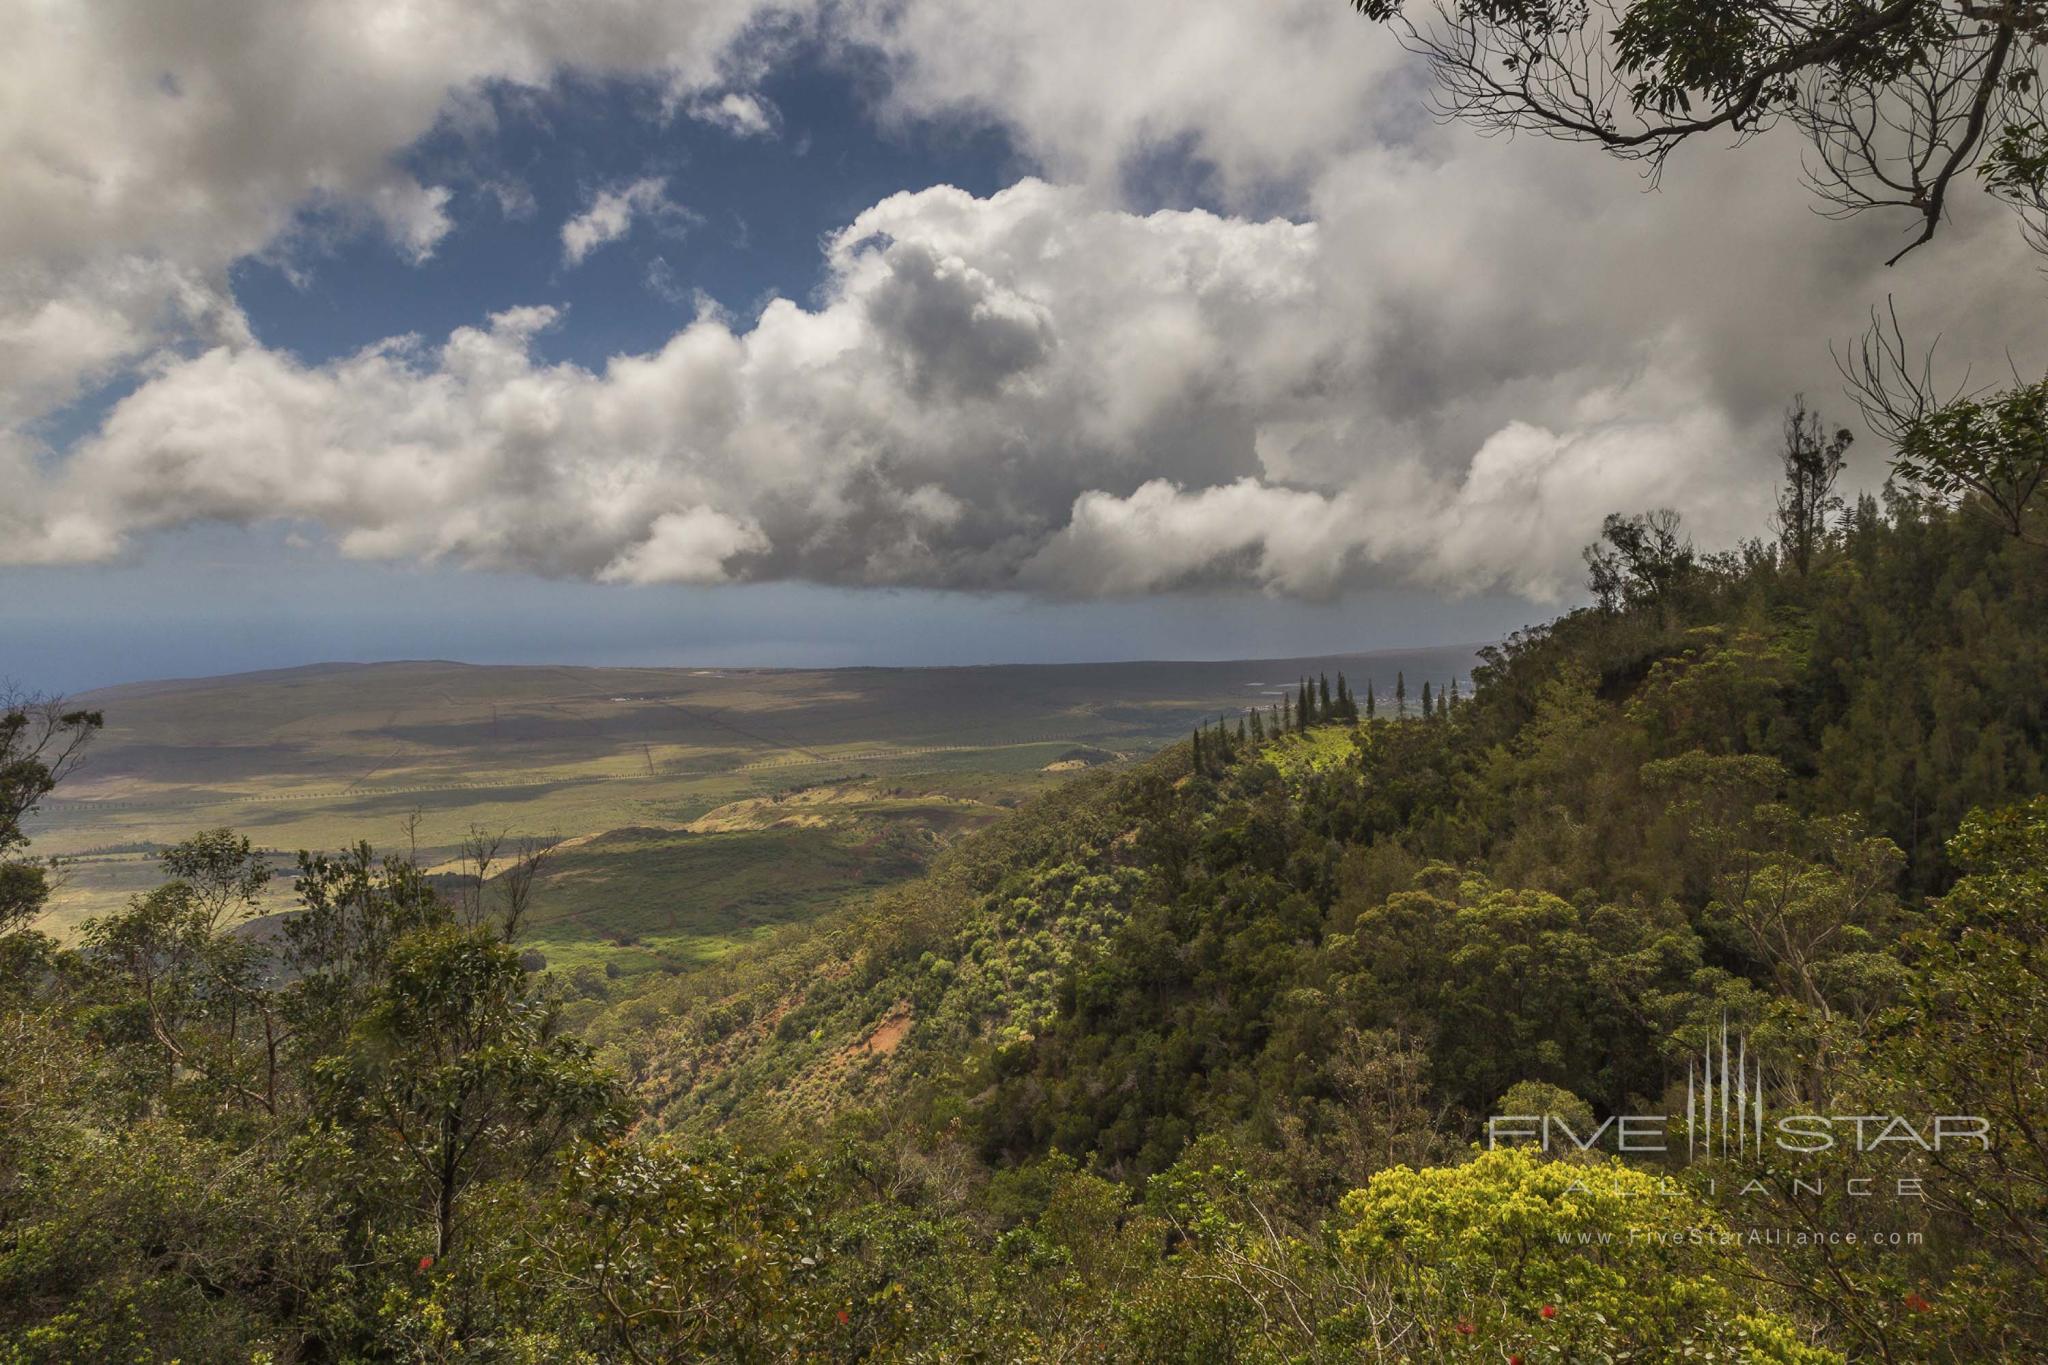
(146, 148)
(611, 215)
(983, 398)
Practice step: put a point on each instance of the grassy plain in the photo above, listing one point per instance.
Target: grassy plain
(697, 807)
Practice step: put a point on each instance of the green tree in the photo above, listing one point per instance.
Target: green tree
(689, 1255)
(456, 1075)
(1973, 1040)
(1640, 561)
(1898, 99)
(1806, 499)
(1987, 452)
(1511, 1257)
(41, 740)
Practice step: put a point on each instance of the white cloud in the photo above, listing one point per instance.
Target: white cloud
(985, 398)
(611, 214)
(1448, 361)
(145, 148)
(690, 546)
(739, 112)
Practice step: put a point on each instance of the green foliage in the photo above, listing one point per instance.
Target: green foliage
(40, 739)
(1991, 452)
(1510, 1256)
(1182, 1062)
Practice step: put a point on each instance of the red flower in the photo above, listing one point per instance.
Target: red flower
(1514, 1360)
(1548, 1311)
(426, 1264)
(1466, 1328)
(1916, 1303)
(843, 1318)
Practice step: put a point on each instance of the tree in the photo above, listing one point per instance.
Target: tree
(1509, 1257)
(456, 1075)
(1639, 561)
(1323, 711)
(1898, 97)
(40, 741)
(1813, 461)
(1400, 694)
(198, 986)
(1372, 705)
(694, 1255)
(1453, 703)
(490, 866)
(1974, 1040)
(1428, 706)
(1986, 450)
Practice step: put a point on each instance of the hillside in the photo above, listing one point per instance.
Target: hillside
(1896, 688)
(1200, 1056)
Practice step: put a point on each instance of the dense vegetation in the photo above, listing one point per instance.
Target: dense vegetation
(1188, 1061)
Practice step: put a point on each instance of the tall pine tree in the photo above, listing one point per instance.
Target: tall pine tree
(1372, 704)
(1400, 695)
(1427, 709)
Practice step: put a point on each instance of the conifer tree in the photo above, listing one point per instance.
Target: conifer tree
(1258, 727)
(1304, 707)
(1427, 709)
(1198, 748)
(1372, 704)
(1400, 695)
(1454, 693)
(1323, 687)
(1242, 735)
(1286, 714)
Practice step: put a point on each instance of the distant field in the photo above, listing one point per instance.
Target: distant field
(874, 768)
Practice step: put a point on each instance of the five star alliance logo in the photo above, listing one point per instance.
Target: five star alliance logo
(1725, 1116)
(1724, 1107)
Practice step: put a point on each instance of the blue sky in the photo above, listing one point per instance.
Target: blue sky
(718, 331)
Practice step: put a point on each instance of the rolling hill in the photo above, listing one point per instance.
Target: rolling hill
(695, 808)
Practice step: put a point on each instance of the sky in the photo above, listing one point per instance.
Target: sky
(862, 331)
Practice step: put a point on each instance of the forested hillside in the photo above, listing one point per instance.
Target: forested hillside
(1188, 1061)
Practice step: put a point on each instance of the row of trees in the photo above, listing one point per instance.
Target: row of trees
(1313, 703)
